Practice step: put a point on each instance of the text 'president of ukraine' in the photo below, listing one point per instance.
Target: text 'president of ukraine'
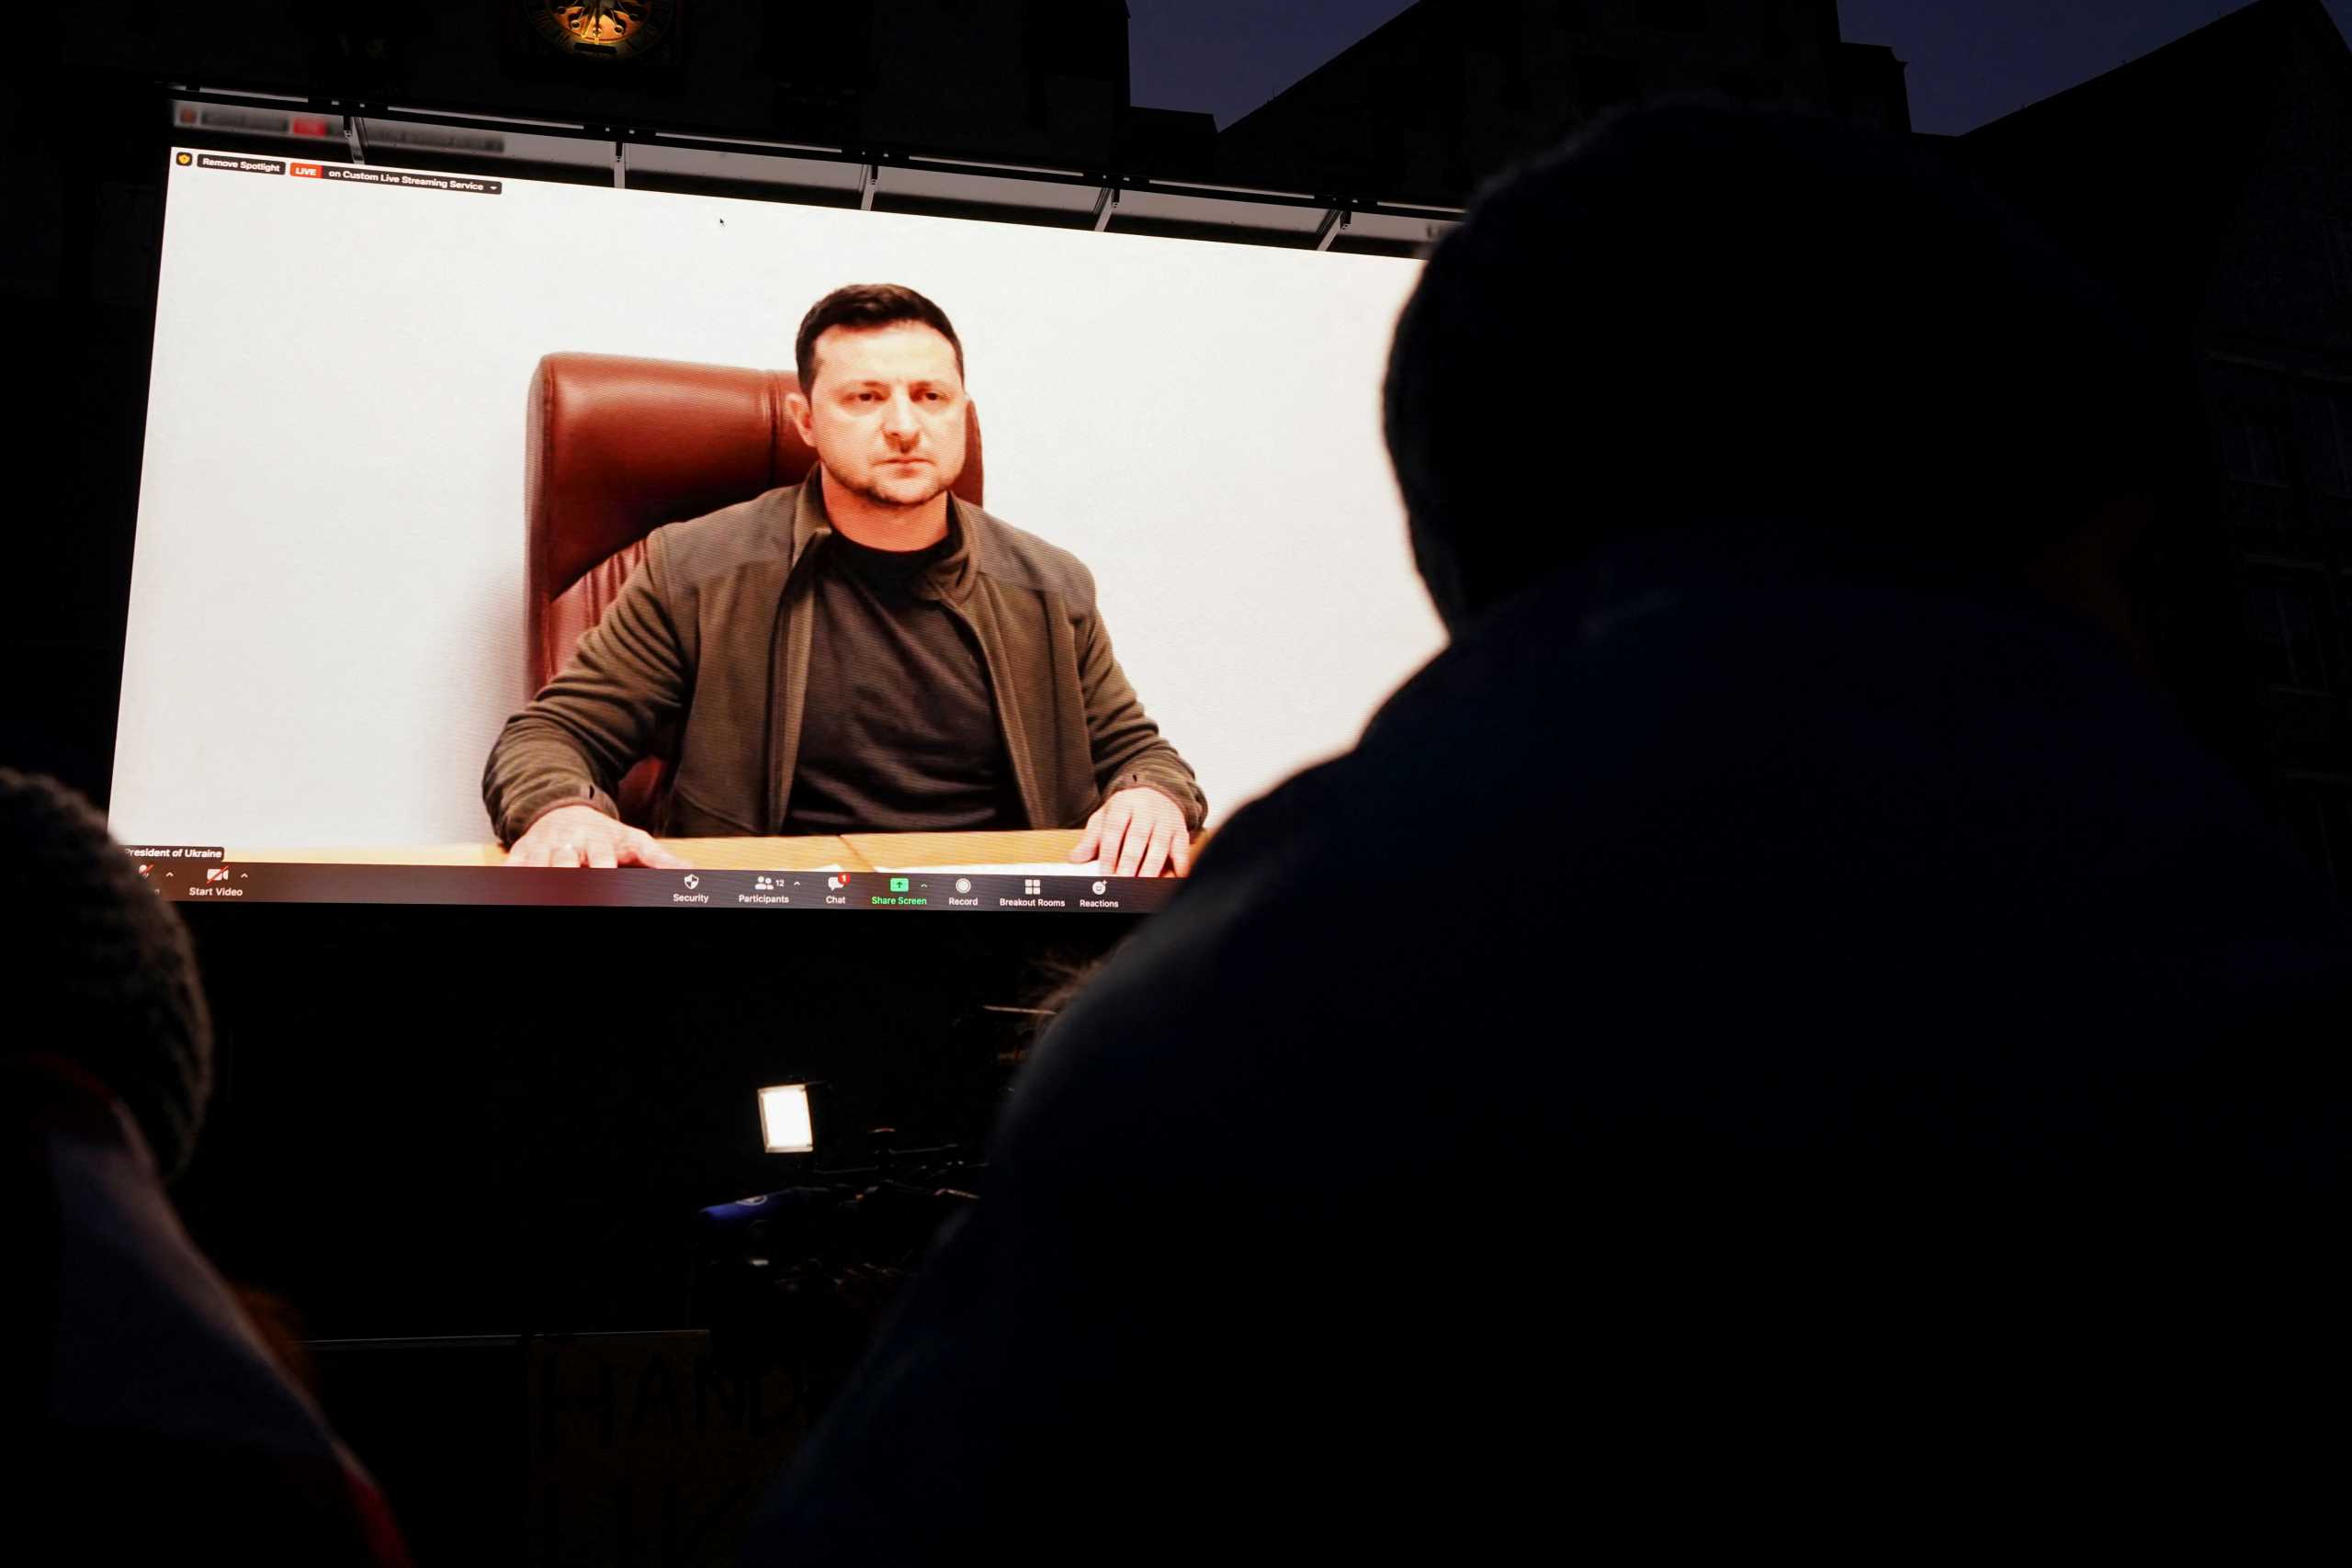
(859, 652)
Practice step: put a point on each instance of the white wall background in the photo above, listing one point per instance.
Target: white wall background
(326, 623)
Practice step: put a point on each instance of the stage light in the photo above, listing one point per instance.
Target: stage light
(784, 1119)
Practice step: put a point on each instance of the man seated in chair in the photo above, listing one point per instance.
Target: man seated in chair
(862, 652)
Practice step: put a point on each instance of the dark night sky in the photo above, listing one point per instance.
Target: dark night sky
(1971, 60)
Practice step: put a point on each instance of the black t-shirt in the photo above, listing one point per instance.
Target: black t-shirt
(898, 730)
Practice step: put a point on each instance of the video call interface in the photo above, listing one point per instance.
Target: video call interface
(510, 541)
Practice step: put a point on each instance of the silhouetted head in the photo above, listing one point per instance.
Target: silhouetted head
(102, 973)
(1698, 312)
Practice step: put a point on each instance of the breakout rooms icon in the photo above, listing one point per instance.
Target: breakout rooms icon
(1032, 885)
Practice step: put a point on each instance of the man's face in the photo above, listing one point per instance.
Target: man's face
(887, 412)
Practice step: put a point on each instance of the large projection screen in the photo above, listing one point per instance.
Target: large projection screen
(327, 624)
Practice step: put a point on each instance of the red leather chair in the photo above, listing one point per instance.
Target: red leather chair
(614, 449)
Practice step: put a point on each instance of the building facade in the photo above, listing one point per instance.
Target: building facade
(2210, 182)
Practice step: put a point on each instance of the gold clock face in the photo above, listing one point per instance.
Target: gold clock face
(603, 30)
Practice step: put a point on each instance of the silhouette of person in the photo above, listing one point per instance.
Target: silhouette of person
(162, 1419)
(1863, 1016)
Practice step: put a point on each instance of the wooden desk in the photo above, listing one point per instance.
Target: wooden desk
(858, 852)
(904, 851)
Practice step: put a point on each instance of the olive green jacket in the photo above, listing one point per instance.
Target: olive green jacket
(703, 657)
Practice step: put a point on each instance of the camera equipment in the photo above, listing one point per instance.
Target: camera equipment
(804, 1275)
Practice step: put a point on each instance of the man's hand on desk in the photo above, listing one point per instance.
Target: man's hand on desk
(581, 835)
(1136, 832)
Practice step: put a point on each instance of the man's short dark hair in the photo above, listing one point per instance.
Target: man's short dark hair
(863, 305)
(1698, 312)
